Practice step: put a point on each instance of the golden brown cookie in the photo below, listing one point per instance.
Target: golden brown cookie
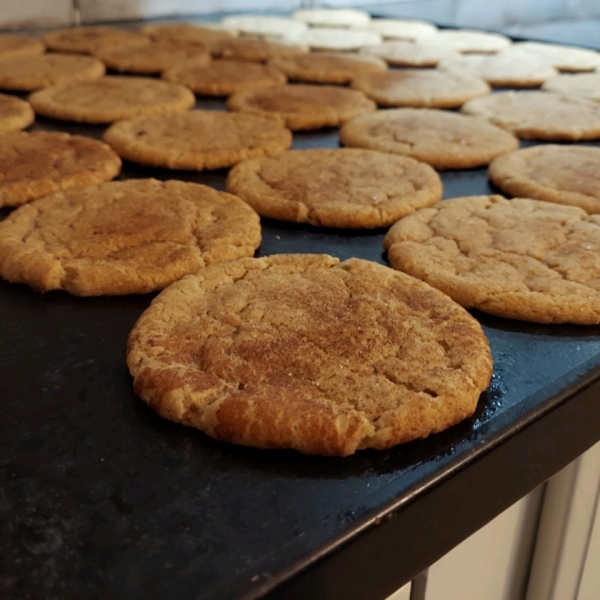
(582, 85)
(29, 73)
(224, 77)
(304, 106)
(20, 45)
(86, 40)
(408, 54)
(562, 174)
(15, 114)
(154, 57)
(39, 163)
(327, 67)
(187, 32)
(257, 50)
(111, 99)
(347, 187)
(443, 139)
(124, 237)
(305, 352)
(420, 88)
(519, 259)
(199, 139)
(533, 115)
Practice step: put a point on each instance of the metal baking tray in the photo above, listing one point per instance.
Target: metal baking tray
(101, 498)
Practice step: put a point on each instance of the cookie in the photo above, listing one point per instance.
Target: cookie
(20, 45)
(86, 40)
(519, 259)
(264, 25)
(29, 73)
(420, 88)
(563, 58)
(533, 115)
(346, 188)
(224, 77)
(154, 57)
(15, 114)
(466, 41)
(443, 139)
(203, 34)
(327, 67)
(199, 139)
(257, 50)
(342, 40)
(332, 17)
(502, 70)
(408, 54)
(303, 106)
(305, 352)
(562, 174)
(124, 237)
(399, 29)
(582, 85)
(40, 163)
(111, 99)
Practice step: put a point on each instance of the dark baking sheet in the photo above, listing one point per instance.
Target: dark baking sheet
(101, 498)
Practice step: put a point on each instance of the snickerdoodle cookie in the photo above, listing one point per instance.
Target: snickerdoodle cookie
(348, 187)
(304, 106)
(305, 352)
(420, 88)
(29, 73)
(111, 99)
(582, 85)
(533, 115)
(39, 163)
(199, 139)
(224, 77)
(562, 174)
(20, 45)
(203, 34)
(327, 67)
(86, 40)
(124, 237)
(520, 259)
(257, 50)
(15, 114)
(444, 139)
(563, 58)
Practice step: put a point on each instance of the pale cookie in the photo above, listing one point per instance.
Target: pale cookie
(29, 73)
(443, 139)
(263, 25)
(327, 67)
(343, 40)
(224, 77)
(562, 174)
(154, 57)
(111, 99)
(124, 237)
(398, 29)
(257, 50)
(420, 88)
(408, 54)
(464, 40)
(582, 85)
(502, 70)
(305, 352)
(20, 45)
(332, 17)
(15, 114)
(563, 58)
(204, 34)
(40, 163)
(304, 106)
(518, 259)
(199, 139)
(539, 115)
(86, 40)
(346, 188)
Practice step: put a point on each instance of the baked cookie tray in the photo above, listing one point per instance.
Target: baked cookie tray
(101, 498)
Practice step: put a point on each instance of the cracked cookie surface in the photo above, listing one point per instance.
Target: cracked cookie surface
(124, 237)
(38, 163)
(335, 188)
(443, 139)
(520, 259)
(305, 352)
(199, 139)
(15, 114)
